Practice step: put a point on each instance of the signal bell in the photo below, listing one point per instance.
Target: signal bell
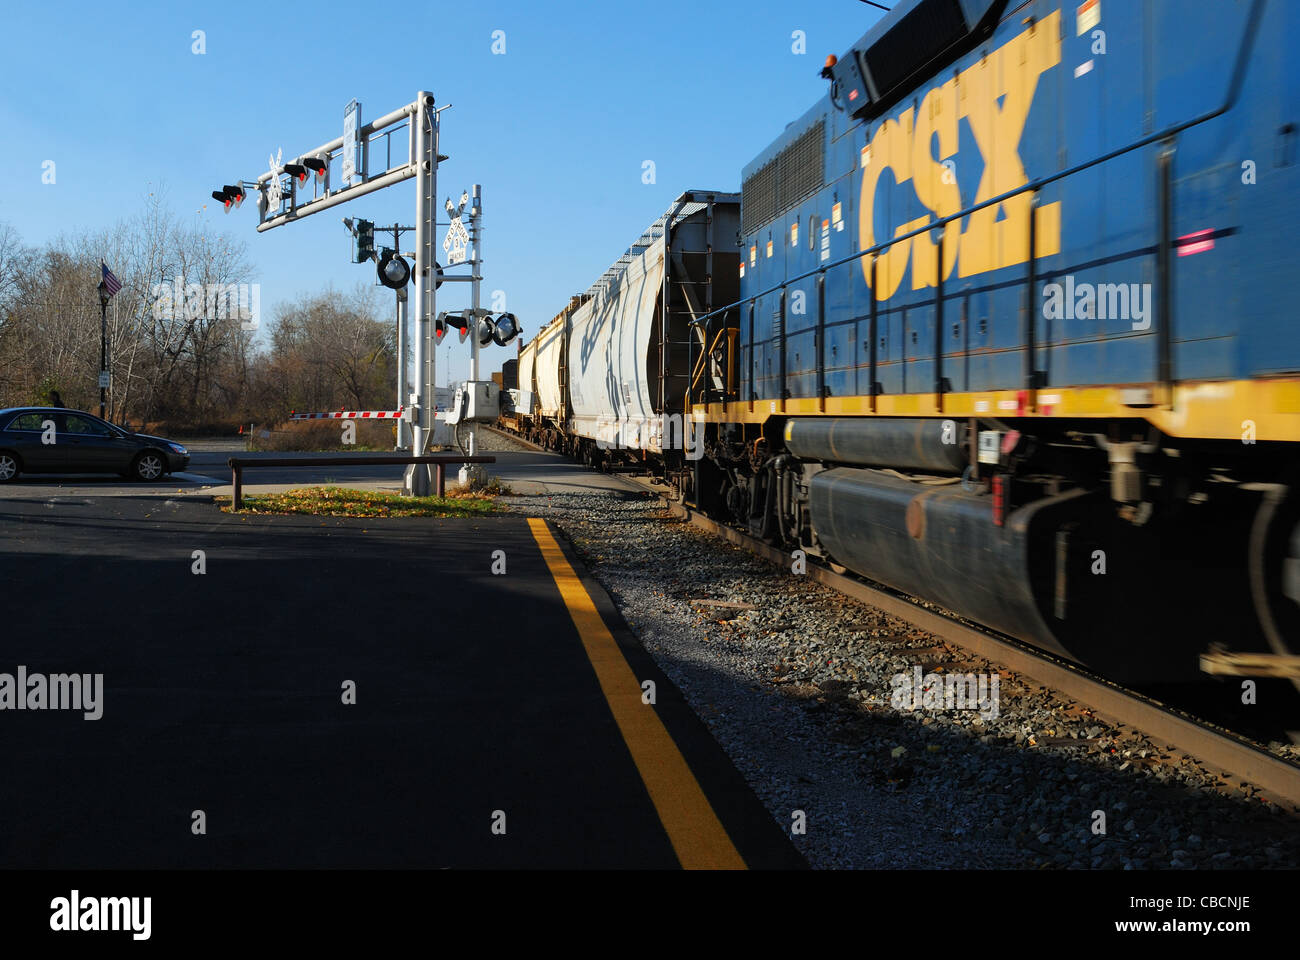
(394, 272)
(505, 329)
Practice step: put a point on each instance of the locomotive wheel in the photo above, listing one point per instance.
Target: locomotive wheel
(1275, 556)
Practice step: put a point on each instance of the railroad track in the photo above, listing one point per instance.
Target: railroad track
(1240, 761)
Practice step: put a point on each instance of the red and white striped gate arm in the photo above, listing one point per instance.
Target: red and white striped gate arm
(351, 415)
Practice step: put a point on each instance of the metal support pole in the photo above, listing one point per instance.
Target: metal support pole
(1164, 277)
(425, 128)
(872, 356)
(403, 388)
(103, 346)
(474, 472)
(753, 364)
(938, 329)
(821, 342)
(1033, 379)
(782, 392)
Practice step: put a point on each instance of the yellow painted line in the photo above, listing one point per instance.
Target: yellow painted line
(698, 837)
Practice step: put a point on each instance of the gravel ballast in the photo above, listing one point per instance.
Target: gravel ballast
(809, 693)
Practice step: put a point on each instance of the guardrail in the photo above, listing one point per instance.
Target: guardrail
(239, 464)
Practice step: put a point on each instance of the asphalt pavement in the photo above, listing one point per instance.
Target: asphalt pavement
(208, 475)
(307, 692)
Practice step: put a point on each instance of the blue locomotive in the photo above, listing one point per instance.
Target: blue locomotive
(1013, 328)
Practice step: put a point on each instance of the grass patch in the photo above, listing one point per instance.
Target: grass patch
(342, 502)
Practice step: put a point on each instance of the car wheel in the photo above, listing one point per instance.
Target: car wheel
(148, 466)
(8, 466)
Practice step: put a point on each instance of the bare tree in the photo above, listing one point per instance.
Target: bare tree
(180, 352)
(330, 351)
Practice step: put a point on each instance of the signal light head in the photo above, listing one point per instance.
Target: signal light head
(365, 236)
(505, 329)
(456, 320)
(297, 171)
(229, 196)
(316, 165)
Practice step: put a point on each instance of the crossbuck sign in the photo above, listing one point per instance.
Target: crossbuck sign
(456, 241)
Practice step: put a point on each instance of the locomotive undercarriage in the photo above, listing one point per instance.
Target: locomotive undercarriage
(1102, 542)
(1108, 544)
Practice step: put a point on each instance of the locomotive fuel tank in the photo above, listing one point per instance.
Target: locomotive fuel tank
(1062, 572)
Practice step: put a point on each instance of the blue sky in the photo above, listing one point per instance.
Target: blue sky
(556, 129)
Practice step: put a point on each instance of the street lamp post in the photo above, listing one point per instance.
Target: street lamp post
(103, 346)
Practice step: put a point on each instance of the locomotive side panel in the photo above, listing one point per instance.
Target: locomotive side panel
(1038, 96)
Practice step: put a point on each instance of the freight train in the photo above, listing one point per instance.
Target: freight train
(1003, 322)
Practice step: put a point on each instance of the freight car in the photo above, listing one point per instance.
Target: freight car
(606, 379)
(1013, 331)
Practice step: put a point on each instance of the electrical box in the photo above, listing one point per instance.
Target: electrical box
(476, 400)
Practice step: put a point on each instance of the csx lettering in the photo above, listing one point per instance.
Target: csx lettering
(994, 95)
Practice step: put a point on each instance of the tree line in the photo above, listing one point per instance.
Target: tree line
(188, 348)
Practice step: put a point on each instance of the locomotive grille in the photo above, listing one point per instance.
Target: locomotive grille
(795, 173)
(928, 29)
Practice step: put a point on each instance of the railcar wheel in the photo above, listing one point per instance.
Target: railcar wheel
(1274, 568)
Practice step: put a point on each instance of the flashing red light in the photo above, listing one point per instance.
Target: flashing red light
(1198, 242)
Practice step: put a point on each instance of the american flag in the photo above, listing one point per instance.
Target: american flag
(111, 283)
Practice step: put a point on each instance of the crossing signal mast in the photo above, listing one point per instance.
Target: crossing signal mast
(476, 400)
(301, 187)
(296, 189)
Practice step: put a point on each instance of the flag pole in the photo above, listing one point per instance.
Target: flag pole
(103, 336)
